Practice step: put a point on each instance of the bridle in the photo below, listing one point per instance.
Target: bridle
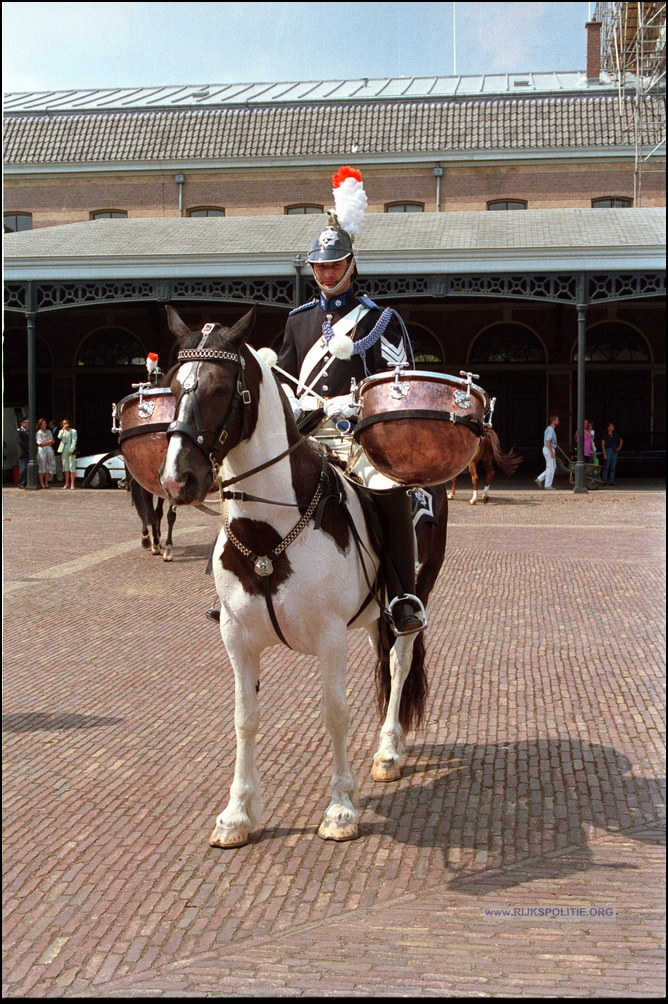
(241, 399)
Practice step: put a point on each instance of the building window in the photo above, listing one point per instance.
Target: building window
(614, 342)
(207, 211)
(404, 207)
(507, 204)
(507, 343)
(615, 202)
(109, 214)
(303, 210)
(111, 347)
(427, 349)
(14, 222)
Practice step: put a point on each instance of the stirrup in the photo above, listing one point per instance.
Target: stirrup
(420, 612)
(212, 614)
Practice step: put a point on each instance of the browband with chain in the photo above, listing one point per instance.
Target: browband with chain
(208, 356)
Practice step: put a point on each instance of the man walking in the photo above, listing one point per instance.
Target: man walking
(23, 443)
(611, 444)
(550, 454)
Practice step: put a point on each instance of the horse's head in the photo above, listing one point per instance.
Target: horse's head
(216, 386)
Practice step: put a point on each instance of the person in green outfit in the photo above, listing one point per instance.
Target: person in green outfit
(68, 450)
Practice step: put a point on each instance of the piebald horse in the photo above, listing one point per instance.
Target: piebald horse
(311, 584)
(488, 453)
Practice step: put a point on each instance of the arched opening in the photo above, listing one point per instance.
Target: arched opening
(618, 382)
(510, 360)
(107, 363)
(427, 349)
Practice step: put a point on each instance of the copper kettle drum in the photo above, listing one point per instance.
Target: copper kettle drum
(420, 428)
(143, 419)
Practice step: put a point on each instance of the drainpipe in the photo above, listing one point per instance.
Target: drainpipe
(297, 264)
(580, 468)
(438, 174)
(179, 179)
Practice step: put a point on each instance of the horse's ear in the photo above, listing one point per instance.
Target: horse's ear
(178, 328)
(239, 332)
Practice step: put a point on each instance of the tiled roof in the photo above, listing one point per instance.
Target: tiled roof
(363, 128)
(382, 232)
(308, 91)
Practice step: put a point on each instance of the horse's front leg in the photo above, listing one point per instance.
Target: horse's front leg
(244, 810)
(169, 543)
(473, 471)
(155, 524)
(389, 759)
(341, 819)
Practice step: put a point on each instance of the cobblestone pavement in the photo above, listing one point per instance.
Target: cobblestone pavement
(535, 781)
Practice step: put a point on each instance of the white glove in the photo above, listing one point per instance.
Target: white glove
(342, 406)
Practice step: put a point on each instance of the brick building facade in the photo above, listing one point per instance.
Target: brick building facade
(543, 143)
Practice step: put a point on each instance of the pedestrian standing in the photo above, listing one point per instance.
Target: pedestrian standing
(589, 444)
(550, 454)
(611, 444)
(23, 443)
(68, 452)
(46, 458)
(54, 429)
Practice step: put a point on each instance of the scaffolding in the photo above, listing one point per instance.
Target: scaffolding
(633, 52)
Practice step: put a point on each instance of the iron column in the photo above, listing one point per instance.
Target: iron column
(580, 468)
(32, 402)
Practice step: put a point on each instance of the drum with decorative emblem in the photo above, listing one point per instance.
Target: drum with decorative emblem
(143, 419)
(420, 428)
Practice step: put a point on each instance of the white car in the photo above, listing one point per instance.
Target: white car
(111, 473)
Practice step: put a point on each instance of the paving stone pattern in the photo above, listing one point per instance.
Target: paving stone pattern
(534, 781)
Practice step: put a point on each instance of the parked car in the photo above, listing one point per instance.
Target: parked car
(112, 472)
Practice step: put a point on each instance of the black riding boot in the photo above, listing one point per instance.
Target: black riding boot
(396, 519)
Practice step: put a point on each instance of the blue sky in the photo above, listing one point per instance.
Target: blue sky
(80, 45)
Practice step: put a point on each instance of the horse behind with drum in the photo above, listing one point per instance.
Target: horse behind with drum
(296, 560)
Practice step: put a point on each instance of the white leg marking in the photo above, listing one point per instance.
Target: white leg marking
(341, 817)
(244, 810)
(389, 759)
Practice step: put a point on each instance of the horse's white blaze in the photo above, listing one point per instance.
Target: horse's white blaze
(313, 607)
(169, 478)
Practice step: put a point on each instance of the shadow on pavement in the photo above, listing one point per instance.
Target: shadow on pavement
(505, 803)
(36, 721)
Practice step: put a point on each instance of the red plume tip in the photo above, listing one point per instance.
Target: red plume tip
(345, 172)
(153, 356)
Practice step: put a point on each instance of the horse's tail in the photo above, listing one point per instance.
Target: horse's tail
(416, 687)
(508, 462)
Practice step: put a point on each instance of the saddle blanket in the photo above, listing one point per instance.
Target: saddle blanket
(424, 507)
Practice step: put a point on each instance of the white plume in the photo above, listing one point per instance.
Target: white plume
(268, 356)
(350, 202)
(341, 346)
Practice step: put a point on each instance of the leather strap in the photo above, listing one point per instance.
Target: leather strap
(143, 430)
(272, 613)
(471, 422)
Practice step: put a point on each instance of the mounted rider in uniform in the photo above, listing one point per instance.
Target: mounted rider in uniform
(334, 342)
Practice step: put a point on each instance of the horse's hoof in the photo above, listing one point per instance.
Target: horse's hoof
(167, 556)
(386, 770)
(451, 495)
(485, 498)
(331, 830)
(155, 550)
(233, 836)
(145, 543)
(472, 501)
